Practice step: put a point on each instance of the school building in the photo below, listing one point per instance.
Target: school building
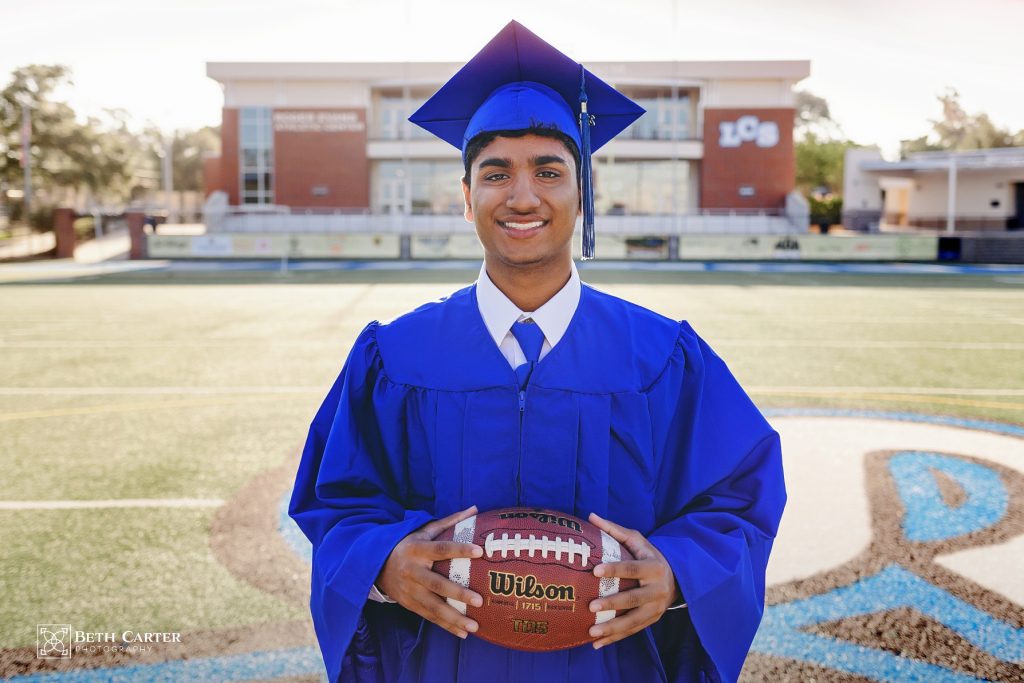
(980, 191)
(327, 147)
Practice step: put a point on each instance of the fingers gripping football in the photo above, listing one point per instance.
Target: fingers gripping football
(407, 577)
(643, 605)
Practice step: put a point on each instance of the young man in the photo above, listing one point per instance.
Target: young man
(529, 388)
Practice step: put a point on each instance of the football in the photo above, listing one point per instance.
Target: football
(536, 576)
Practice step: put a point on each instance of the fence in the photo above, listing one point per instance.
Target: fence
(299, 220)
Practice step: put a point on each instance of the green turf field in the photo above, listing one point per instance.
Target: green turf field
(167, 386)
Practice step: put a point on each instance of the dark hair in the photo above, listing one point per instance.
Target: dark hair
(477, 144)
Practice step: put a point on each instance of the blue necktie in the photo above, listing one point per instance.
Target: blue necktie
(530, 340)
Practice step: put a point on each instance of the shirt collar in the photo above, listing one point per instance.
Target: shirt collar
(553, 317)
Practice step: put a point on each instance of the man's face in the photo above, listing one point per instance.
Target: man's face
(524, 200)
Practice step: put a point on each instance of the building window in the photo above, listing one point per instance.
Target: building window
(256, 155)
(417, 187)
(391, 111)
(667, 118)
(644, 187)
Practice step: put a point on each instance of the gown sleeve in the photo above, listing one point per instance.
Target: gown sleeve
(350, 480)
(719, 499)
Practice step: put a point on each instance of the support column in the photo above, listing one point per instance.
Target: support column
(951, 198)
(64, 231)
(136, 234)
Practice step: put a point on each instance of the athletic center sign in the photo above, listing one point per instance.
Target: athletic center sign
(322, 121)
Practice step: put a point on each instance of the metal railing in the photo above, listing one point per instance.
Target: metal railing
(321, 220)
(893, 221)
(660, 133)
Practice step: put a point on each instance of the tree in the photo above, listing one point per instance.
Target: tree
(820, 146)
(65, 152)
(959, 131)
(103, 155)
(819, 164)
(188, 150)
(135, 150)
(812, 117)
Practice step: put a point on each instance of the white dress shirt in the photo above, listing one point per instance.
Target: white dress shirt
(499, 314)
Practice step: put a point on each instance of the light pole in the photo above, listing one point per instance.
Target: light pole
(26, 161)
(167, 170)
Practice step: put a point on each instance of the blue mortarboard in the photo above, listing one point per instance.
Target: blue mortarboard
(518, 81)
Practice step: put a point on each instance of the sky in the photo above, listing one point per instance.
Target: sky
(879, 63)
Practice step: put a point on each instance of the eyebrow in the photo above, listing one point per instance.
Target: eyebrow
(495, 161)
(549, 159)
(542, 160)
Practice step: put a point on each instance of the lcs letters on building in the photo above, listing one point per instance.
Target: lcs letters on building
(748, 129)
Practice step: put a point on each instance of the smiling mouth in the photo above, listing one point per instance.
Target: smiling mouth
(525, 226)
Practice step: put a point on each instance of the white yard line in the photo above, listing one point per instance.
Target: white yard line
(938, 317)
(781, 343)
(924, 391)
(220, 391)
(112, 503)
(866, 344)
(155, 391)
(261, 343)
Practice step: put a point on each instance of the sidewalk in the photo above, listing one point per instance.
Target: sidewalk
(26, 246)
(109, 255)
(113, 246)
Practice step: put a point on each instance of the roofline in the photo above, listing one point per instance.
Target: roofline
(1012, 152)
(369, 71)
(962, 164)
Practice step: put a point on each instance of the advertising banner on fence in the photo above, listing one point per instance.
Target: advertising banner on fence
(809, 247)
(275, 245)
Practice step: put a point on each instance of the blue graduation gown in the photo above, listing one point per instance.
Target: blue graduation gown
(631, 415)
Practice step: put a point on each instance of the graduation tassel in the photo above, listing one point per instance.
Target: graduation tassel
(586, 173)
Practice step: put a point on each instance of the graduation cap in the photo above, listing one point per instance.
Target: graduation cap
(518, 81)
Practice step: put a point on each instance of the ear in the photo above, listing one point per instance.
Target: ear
(468, 211)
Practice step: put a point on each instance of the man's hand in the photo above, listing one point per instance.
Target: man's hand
(407, 577)
(645, 603)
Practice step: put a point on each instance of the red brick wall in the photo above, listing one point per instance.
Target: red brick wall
(212, 180)
(732, 161)
(229, 154)
(321, 148)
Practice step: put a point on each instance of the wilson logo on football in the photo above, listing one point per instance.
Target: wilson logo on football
(503, 583)
(543, 518)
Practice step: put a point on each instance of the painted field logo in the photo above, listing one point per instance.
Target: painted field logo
(503, 583)
(918, 584)
(898, 558)
(53, 641)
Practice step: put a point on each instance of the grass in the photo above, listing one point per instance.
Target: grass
(110, 570)
(97, 400)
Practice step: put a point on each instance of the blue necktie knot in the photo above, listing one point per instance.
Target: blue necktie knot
(531, 339)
